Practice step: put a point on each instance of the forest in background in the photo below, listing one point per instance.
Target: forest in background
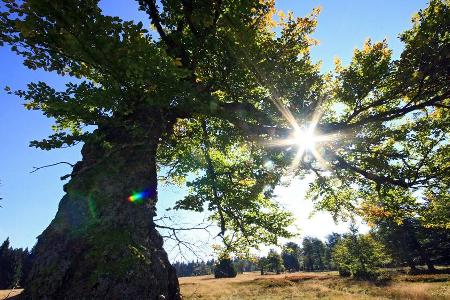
(362, 256)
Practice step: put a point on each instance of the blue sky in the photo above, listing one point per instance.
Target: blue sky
(31, 199)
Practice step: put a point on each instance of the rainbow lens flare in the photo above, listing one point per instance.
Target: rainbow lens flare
(140, 196)
(92, 207)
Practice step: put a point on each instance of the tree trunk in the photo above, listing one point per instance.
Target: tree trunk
(101, 245)
(412, 265)
(423, 254)
(427, 260)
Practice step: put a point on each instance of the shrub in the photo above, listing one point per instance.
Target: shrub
(274, 262)
(359, 256)
(344, 272)
(225, 269)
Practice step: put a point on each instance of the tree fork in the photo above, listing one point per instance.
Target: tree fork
(102, 243)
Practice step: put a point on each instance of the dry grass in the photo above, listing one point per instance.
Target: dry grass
(327, 285)
(5, 294)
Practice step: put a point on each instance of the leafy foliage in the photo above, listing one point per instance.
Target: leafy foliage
(214, 89)
(412, 244)
(224, 269)
(359, 256)
(274, 262)
(396, 113)
(290, 255)
(313, 254)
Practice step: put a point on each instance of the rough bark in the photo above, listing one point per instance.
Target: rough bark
(100, 245)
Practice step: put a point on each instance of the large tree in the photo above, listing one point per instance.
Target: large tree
(187, 101)
(217, 88)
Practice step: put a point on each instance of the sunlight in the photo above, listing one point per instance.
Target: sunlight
(305, 138)
(310, 141)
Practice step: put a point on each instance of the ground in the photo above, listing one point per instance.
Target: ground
(325, 285)
(5, 294)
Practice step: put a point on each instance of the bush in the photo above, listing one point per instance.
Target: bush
(359, 256)
(225, 269)
(344, 273)
(274, 262)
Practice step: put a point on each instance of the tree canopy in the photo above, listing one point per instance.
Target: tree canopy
(234, 97)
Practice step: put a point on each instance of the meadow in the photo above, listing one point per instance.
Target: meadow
(323, 285)
(307, 285)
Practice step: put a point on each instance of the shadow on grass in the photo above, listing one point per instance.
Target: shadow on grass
(430, 272)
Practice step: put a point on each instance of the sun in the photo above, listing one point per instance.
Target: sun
(306, 139)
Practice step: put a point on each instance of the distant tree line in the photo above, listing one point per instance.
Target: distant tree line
(388, 244)
(411, 244)
(194, 268)
(15, 265)
(198, 268)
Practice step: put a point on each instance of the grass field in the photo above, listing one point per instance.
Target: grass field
(5, 294)
(327, 285)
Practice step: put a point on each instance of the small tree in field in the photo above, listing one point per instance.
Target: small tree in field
(262, 264)
(290, 254)
(225, 269)
(359, 256)
(274, 262)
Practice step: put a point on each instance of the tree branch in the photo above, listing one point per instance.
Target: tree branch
(172, 233)
(51, 165)
(211, 173)
(379, 179)
(172, 46)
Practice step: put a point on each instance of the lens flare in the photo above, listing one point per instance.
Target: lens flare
(92, 207)
(140, 196)
(306, 138)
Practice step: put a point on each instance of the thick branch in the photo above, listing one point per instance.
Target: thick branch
(211, 173)
(379, 179)
(398, 112)
(174, 48)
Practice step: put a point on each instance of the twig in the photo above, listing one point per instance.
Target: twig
(172, 233)
(51, 165)
(183, 228)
